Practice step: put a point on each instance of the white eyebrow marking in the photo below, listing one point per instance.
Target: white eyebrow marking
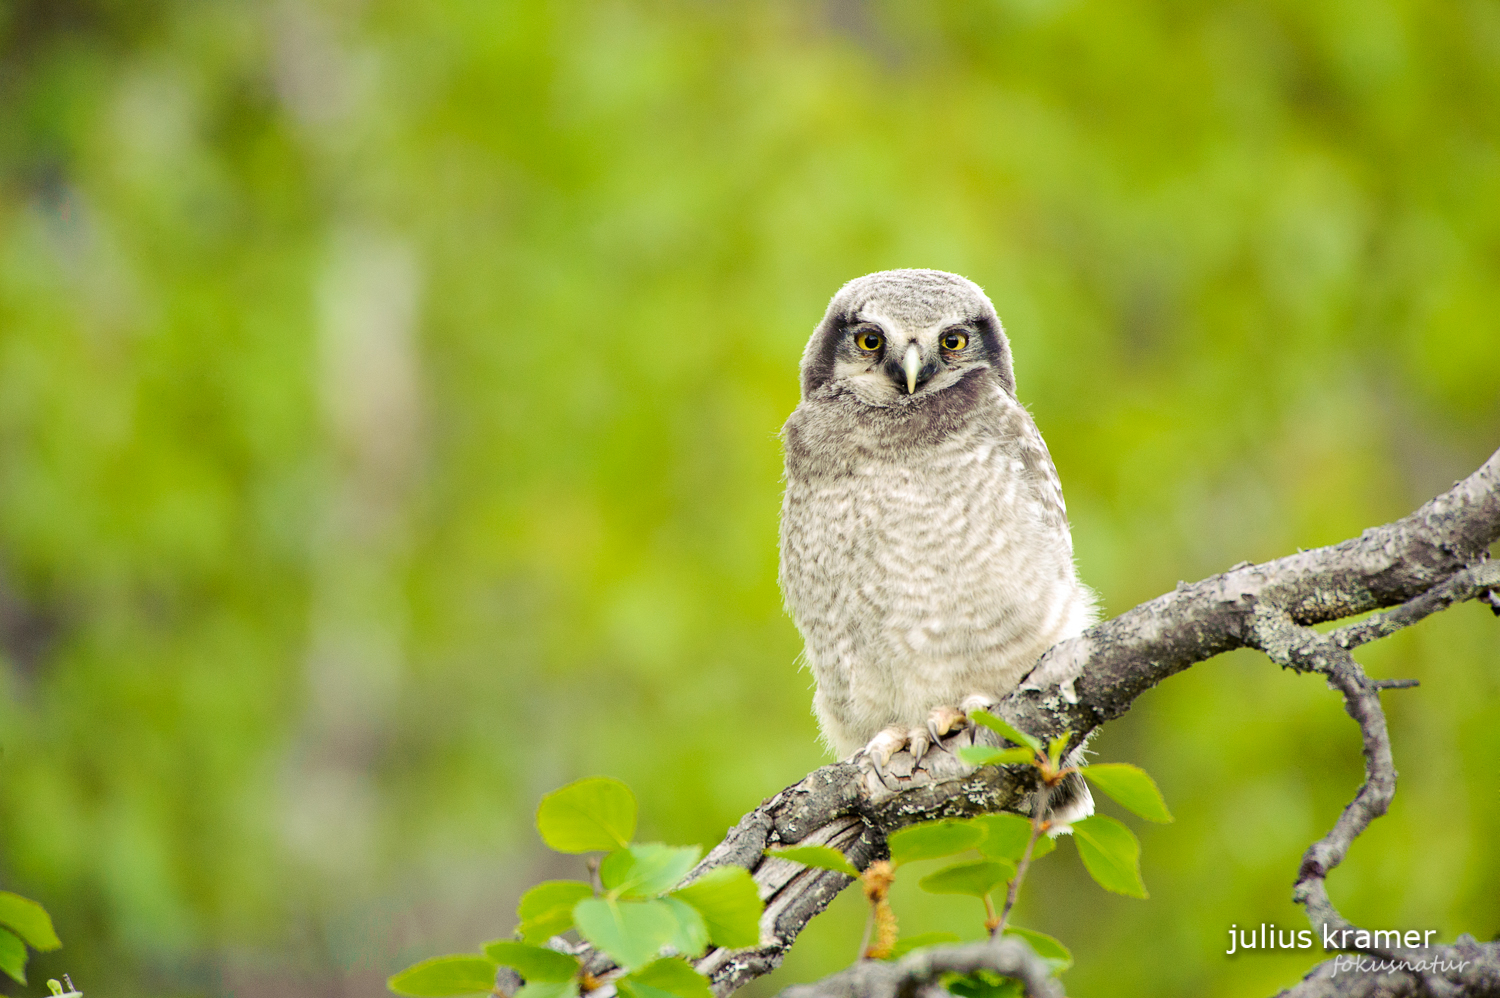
(901, 332)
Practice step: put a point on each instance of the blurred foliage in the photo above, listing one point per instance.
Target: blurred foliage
(388, 410)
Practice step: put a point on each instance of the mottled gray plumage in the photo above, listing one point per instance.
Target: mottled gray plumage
(925, 552)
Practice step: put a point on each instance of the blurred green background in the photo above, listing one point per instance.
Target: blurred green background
(388, 409)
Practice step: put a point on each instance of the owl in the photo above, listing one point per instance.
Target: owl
(925, 550)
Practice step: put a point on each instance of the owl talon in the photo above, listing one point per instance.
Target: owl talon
(878, 777)
(921, 740)
(885, 744)
(943, 721)
(881, 762)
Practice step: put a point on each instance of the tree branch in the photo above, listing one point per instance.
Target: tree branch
(1465, 585)
(1423, 562)
(1304, 649)
(918, 974)
(1467, 968)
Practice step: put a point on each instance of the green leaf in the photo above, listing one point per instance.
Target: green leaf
(596, 814)
(730, 904)
(988, 755)
(973, 879)
(539, 930)
(1055, 747)
(631, 932)
(921, 939)
(1006, 836)
(823, 857)
(442, 976)
(547, 909)
(691, 935)
(933, 839)
(13, 956)
(1004, 730)
(646, 869)
(1111, 854)
(28, 920)
(533, 963)
(1055, 953)
(1131, 787)
(670, 978)
(549, 989)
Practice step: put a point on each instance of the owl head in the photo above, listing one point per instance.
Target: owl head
(899, 337)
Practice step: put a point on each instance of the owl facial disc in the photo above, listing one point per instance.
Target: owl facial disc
(904, 337)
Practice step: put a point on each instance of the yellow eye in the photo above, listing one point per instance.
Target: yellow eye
(955, 341)
(868, 341)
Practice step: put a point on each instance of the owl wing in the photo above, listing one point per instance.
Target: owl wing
(1028, 447)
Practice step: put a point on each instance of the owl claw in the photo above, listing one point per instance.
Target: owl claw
(886, 743)
(921, 740)
(876, 757)
(875, 760)
(944, 721)
(877, 783)
(882, 766)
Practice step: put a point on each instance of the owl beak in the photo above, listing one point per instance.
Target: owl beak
(911, 363)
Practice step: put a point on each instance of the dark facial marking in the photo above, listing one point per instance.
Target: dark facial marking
(829, 335)
(998, 352)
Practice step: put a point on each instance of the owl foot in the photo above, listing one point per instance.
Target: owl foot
(876, 758)
(943, 721)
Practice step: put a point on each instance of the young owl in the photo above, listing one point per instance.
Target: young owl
(925, 552)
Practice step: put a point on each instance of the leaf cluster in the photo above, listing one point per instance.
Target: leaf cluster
(1110, 851)
(23, 923)
(1000, 841)
(634, 911)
